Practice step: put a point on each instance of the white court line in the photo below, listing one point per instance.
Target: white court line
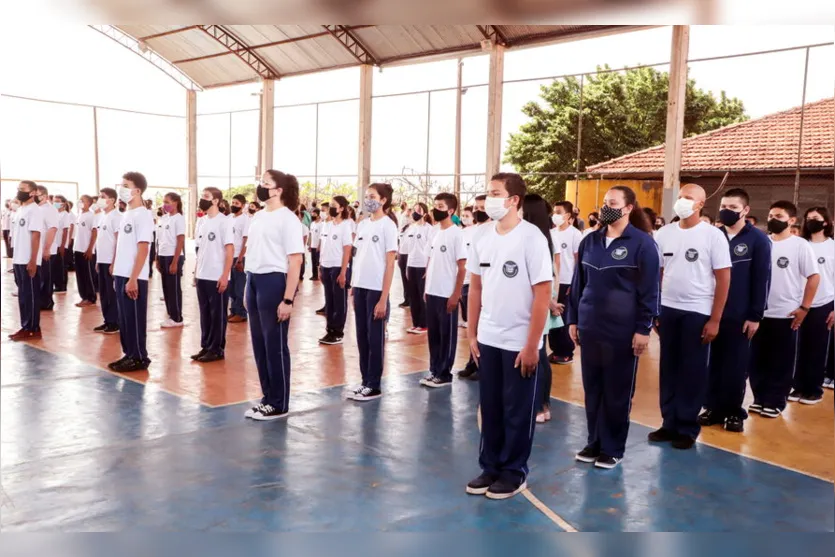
(555, 518)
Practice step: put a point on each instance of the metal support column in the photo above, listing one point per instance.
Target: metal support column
(364, 155)
(191, 146)
(266, 130)
(494, 111)
(96, 147)
(675, 117)
(459, 93)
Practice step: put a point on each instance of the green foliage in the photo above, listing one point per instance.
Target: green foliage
(623, 112)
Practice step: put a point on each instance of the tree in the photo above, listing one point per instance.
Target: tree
(623, 112)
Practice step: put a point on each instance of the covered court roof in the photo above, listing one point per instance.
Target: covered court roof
(219, 55)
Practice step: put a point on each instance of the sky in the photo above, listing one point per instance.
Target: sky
(73, 63)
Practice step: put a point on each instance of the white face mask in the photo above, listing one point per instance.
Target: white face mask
(558, 220)
(684, 207)
(468, 221)
(494, 207)
(125, 194)
(101, 203)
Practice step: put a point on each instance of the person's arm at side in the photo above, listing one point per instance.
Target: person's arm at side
(473, 314)
(115, 243)
(380, 308)
(343, 272)
(720, 297)
(648, 290)
(809, 268)
(50, 238)
(760, 282)
(528, 358)
(575, 292)
(293, 272)
(223, 282)
(65, 232)
(32, 266)
(94, 234)
(132, 286)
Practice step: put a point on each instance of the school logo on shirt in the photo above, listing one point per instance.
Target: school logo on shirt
(84, 224)
(22, 222)
(510, 269)
(212, 236)
(564, 245)
(166, 226)
(619, 253)
(104, 227)
(443, 249)
(128, 228)
(334, 236)
(741, 249)
(418, 236)
(691, 255)
(821, 260)
(375, 238)
(782, 262)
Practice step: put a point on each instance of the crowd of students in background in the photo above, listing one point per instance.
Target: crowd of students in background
(730, 303)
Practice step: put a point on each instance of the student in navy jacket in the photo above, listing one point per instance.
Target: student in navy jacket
(613, 302)
(731, 350)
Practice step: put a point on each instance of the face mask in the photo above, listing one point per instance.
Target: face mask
(416, 216)
(371, 205)
(333, 212)
(235, 210)
(480, 217)
(494, 207)
(608, 215)
(592, 222)
(777, 226)
(729, 217)
(58, 206)
(658, 225)
(558, 220)
(684, 207)
(125, 195)
(262, 193)
(102, 202)
(23, 196)
(468, 221)
(205, 204)
(439, 215)
(814, 226)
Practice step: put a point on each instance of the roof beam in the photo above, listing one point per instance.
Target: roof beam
(169, 32)
(352, 44)
(493, 33)
(236, 46)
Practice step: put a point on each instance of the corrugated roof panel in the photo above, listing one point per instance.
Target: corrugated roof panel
(313, 54)
(187, 44)
(515, 32)
(218, 71)
(139, 31)
(254, 35)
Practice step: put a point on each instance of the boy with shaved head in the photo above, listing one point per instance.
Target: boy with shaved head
(696, 277)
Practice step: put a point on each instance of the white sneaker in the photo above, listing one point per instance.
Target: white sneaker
(170, 324)
(462, 324)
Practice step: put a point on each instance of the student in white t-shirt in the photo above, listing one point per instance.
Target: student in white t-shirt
(336, 246)
(62, 238)
(171, 242)
(696, 262)
(421, 231)
(6, 219)
(510, 289)
(376, 249)
(274, 256)
(214, 264)
(315, 242)
(237, 285)
(28, 254)
(14, 205)
(131, 269)
(594, 224)
(444, 283)
(51, 221)
(106, 231)
(306, 240)
(407, 240)
(479, 217)
(85, 241)
(72, 220)
(566, 238)
(814, 334)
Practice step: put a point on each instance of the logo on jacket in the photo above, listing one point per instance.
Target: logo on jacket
(691, 255)
(375, 238)
(510, 269)
(821, 260)
(128, 228)
(741, 249)
(619, 253)
(782, 262)
(212, 236)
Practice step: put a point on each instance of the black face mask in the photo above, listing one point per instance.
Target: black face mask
(592, 223)
(235, 210)
(815, 226)
(608, 215)
(729, 217)
(204, 204)
(439, 215)
(252, 211)
(333, 211)
(23, 196)
(416, 216)
(480, 216)
(777, 226)
(262, 193)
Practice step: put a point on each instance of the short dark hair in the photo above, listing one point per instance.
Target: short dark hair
(109, 192)
(448, 198)
(240, 198)
(740, 193)
(567, 206)
(216, 193)
(32, 185)
(514, 184)
(42, 190)
(137, 179)
(468, 208)
(481, 197)
(787, 206)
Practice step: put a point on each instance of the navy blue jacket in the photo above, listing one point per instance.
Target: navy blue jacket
(750, 275)
(616, 290)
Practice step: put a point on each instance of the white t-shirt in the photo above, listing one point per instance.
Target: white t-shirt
(689, 258)
(51, 219)
(446, 250)
(334, 239)
(67, 220)
(63, 224)
(12, 226)
(375, 239)
(83, 231)
(215, 234)
(509, 266)
(27, 219)
(468, 235)
(135, 227)
(197, 226)
(825, 256)
(568, 243)
(407, 240)
(170, 226)
(108, 226)
(421, 240)
(792, 262)
(6, 219)
(316, 234)
(587, 231)
(240, 230)
(273, 236)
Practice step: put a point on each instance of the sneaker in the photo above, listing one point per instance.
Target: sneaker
(467, 372)
(794, 396)
(481, 484)
(709, 418)
(811, 399)
(662, 436)
(436, 382)
(320, 311)
(170, 324)
(829, 383)
(111, 329)
(209, 357)
(768, 412)
(366, 394)
(503, 489)
(563, 360)
(683, 442)
(26, 335)
(199, 354)
(84, 304)
(330, 339)
(607, 462)
(587, 455)
(540, 417)
(735, 424)
(129, 365)
(251, 412)
(118, 362)
(267, 412)
(419, 330)
(236, 319)
(755, 408)
(462, 324)
(403, 305)
(100, 329)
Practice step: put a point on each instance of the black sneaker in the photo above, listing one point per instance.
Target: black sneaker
(607, 462)
(829, 383)
(252, 411)
(111, 329)
(504, 489)
(404, 305)
(120, 361)
(587, 455)
(683, 442)
(267, 412)
(100, 329)
(199, 354)
(768, 412)
(662, 436)
(320, 311)
(810, 399)
(481, 484)
(367, 393)
(794, 396)
(330, 339)
(709, 418)
(755, 408)
(562, 360)
(209, 357)
(735, 424)
(468, 371)
(130, 365)
(436, 382)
